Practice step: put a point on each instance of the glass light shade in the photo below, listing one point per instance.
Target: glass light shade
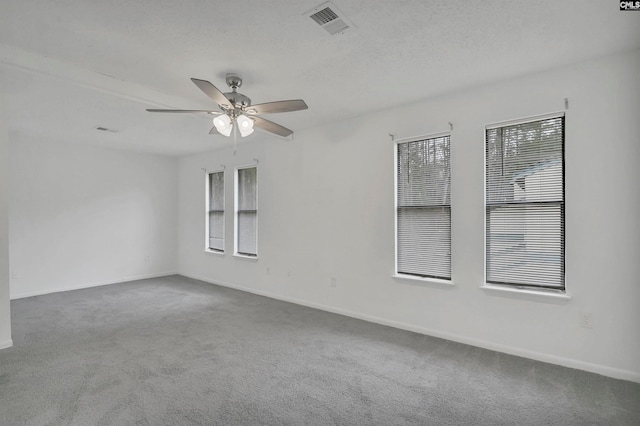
(223, 124)
(245, 125)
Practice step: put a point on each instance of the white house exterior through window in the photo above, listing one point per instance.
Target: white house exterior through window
(525, 204)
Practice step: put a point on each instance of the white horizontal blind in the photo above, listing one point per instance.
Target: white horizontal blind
(424, 208)
(216, 211)
(247, 217)
(525, 204)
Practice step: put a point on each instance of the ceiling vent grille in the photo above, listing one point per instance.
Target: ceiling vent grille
(325, 16)
(105, 129)
(329, 18)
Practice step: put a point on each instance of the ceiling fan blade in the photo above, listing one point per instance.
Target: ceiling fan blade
(212, 91)
(185, 110)
(271, 127)
(278, 106)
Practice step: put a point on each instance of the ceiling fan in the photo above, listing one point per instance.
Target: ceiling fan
(236, 108)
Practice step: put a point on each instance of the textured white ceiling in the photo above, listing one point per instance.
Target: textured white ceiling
(68, 66)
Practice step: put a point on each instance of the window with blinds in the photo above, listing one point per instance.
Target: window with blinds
(247, 212)
(423, 208)
(216, 212)
(525, 204)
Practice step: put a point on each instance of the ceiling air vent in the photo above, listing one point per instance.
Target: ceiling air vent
(104, 129)
(329, 18)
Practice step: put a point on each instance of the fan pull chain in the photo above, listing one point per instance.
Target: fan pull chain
(235, 140)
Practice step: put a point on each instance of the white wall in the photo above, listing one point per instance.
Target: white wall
(326, 210)
(83, 216)
(5, 315)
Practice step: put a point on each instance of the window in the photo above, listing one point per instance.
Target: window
(525, 204)
(247, 212)
(423, 208)
(216, 212)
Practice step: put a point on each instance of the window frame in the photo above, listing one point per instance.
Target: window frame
(208, 211)
(237, 211)
(409, 276)
(522, 287)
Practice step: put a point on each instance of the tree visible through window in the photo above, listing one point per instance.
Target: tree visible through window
(423, 206)
(247, 212)
(216, 211)
(525, 204)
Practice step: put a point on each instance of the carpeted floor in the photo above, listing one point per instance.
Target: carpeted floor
(175, 351)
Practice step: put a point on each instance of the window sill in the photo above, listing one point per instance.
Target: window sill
(527, 293)
(245, 257)
(216, 252)
(423, 280)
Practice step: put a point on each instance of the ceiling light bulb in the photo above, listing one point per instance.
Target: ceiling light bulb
(245, 125)
(223, 124)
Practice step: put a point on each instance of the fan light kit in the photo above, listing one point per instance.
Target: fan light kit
(235, 108)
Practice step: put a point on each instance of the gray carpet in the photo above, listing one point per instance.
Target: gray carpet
(175, 351)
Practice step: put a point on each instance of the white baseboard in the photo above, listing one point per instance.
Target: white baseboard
(511, 350)
(92, 284)
(6, 344)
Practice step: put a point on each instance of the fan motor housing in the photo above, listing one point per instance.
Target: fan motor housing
(238, 99)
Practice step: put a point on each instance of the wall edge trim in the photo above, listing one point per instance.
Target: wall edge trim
(603, 370)
(93, 284)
